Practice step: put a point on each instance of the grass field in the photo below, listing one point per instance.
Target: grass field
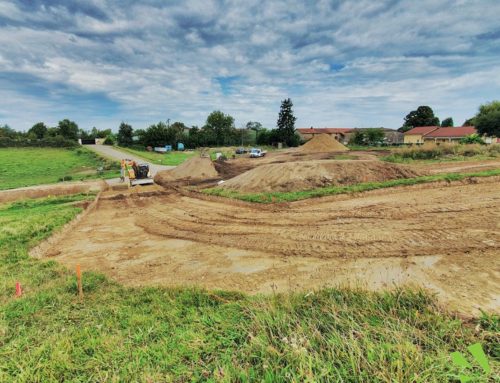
(33, 166)
(170, 158)
(333, 190)
(162, 335)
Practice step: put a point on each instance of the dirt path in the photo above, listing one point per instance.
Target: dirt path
(116, 154)
(445, 238)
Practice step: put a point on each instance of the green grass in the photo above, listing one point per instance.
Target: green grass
(34, 166)
(452, 158)
(169, 158)
(273, 197)
(120, 334)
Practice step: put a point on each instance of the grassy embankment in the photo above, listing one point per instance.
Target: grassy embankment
(157, 334)
(33, 166)
(170, 158)
(443, 153)
(273, 197)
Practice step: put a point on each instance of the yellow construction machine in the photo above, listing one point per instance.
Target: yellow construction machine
(138, 174)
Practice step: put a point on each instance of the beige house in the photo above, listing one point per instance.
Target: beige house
(416, 135)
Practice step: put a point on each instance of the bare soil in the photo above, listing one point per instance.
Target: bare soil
(443, 237)
(305, 175)
(40, 191)
(322, 143)
(194, 169)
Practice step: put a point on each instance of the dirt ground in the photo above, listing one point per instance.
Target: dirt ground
(443, 237)
(52, 190)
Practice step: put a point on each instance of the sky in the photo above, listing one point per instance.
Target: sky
(360, 63)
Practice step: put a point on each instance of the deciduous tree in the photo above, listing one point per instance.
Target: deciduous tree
(423, 116)
(488, 119)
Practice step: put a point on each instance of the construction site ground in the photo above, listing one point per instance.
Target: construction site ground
(443, 237)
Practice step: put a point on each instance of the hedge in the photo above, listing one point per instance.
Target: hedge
(51, 142)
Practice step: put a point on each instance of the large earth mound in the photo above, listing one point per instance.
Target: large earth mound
(304, 175)
(322, 143)
(194, 169)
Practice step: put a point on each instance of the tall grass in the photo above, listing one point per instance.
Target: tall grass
(431, 151)
(120, 334)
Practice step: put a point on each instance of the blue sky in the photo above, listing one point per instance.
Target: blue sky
(344, 63)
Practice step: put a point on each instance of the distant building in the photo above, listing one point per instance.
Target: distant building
(422, 134)
(416, 135)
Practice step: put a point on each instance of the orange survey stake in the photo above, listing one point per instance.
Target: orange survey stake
(79, 281)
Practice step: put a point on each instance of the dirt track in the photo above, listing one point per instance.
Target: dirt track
(445, 238)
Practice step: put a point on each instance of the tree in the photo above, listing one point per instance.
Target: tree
(39, 130)
(254, 125)
(222, 127)
(374, 136)
(68, 129)
(423, 116)
(7, 131)
(286, 124)
(369, 136)
(470, 122)
(488, 119)
(125, 134)
(447, 122)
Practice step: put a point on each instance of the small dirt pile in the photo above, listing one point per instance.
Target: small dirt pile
(322, 143)
(195, 169)
(304, 175)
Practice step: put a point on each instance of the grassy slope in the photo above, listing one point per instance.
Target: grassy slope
(153, 334)
(170, 158)
(273, 197)
(33, 166)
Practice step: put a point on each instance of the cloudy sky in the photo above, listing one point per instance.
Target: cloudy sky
(344, 63)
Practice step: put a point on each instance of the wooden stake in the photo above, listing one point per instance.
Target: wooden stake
(79, 280)
(19, 290)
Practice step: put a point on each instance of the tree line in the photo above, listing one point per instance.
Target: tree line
(219, 130)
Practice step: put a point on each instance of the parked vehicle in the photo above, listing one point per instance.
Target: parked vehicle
(241, 151)
(256, 153)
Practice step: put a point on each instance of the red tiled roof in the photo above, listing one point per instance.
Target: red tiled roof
(459, 131)
(421, 130)
(324, 130)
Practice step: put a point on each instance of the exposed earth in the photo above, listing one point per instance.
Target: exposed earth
(444, 237)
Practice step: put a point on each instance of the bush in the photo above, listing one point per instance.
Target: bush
(433, 151)
(108, 141)
(472, 139)
(50, 142)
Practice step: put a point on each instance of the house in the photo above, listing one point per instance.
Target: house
(450, 134)
(416, 135)
(340, 134)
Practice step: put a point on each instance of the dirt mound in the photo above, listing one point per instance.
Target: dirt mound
(322, 143)
(195, 169)
(304, 175)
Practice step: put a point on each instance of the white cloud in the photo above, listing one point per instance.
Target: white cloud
(101, 62)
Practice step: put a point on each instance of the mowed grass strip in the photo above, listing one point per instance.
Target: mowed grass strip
(161, 335)
(34, 166)
(173, 158)
(274, 197)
